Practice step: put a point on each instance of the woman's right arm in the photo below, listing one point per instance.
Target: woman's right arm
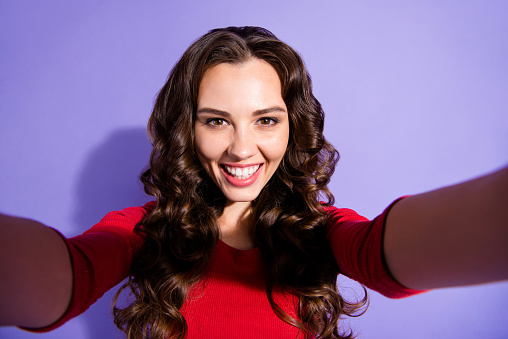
(35, 273)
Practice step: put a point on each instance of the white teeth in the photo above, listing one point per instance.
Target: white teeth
(242, 173)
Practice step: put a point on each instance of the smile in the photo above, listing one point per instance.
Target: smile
(241, 176)
(241, 173)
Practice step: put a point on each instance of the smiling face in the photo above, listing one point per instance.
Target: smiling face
(241, 128)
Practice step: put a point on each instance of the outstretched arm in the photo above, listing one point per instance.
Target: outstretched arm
(35, 273)
(456, 235)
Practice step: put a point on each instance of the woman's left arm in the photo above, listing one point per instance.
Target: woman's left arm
(453, 236)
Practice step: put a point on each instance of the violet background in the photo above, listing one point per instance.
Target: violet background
(415, 95)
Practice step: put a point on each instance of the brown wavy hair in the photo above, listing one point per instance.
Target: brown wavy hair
(290, 224)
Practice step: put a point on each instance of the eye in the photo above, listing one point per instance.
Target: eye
(216, 122)
(267, 121)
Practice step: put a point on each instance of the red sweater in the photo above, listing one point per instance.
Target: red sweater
(231, 302)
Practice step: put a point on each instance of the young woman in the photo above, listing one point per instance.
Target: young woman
(242, 239)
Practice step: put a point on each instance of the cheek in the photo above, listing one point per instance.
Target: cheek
(282, 143)
(205, 160)
(207, 150)
(275, 148)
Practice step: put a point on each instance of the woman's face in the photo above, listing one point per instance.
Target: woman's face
(242, 127)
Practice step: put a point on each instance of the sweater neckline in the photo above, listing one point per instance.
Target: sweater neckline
(237, 251)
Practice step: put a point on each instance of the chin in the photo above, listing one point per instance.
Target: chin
(241, 196)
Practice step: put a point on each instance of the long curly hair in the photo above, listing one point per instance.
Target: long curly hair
(290, 223)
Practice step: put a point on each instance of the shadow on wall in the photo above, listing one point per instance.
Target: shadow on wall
(109, 181)
(110, 178)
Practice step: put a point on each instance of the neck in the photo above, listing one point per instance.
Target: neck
(237, 226)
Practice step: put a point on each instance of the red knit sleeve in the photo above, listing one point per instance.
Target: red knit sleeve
(357, 244)
(101, 258)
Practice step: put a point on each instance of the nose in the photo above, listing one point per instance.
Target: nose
(242, 145)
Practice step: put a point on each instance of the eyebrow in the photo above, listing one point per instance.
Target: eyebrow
(255, 113)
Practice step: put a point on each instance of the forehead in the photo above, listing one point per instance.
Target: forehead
(251, 85)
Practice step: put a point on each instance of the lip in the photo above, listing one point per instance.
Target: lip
(242, 165)
(241, 182)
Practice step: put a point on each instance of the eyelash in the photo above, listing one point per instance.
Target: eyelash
(273, 121)
(213, 121)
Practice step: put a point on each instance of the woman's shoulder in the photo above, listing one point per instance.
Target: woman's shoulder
(342, 214)
(126, 218)
(347, 215)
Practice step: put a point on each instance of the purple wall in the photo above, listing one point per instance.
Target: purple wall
(415, 95)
